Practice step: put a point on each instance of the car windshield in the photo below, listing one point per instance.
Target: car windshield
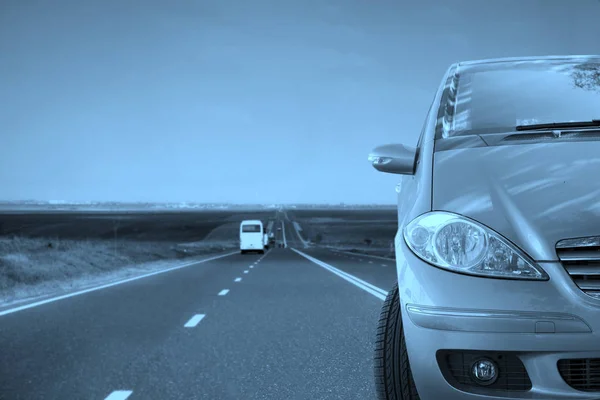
(497, 97)
(251, 228)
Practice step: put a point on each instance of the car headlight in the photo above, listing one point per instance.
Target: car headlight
(459, 244)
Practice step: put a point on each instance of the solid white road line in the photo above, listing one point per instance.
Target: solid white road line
(195, 320)
(366, 286)
(223, 292)
(295, 226)
(119, 395)
(135, 278)
(237, 279)
(363, 255)
(246, 271)
(283, 231)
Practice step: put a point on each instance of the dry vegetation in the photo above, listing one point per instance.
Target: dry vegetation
(37, 266)
(369, 237)
(33, 267)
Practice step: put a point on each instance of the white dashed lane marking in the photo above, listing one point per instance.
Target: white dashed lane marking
(119, 395)
(246, 271)
(195, 320)
(237, 279)
(223, 292)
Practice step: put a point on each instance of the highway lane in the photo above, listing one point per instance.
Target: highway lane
(289, 232)
(278, 228)
(380, 273)
(80, 347)
(282, 328)
(374, 270)
(290, 330)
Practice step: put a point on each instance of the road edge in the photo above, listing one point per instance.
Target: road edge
(51, 299)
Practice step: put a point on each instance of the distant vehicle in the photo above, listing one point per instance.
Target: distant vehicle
(272, 238)
(498, 238)
(252, 236)
(279, 228)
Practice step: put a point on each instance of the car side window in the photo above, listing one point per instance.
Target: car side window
(418, 153)
(421, 136)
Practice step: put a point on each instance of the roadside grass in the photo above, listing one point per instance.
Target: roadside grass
(31, 267)
(367, 237)
(36, 267)
(229, 231)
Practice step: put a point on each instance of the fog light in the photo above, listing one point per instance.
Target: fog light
(484, 372)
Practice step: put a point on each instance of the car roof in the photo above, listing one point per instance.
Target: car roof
(532, 58)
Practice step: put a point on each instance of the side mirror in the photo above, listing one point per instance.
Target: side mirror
(394, 159)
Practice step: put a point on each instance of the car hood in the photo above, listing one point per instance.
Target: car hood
(532, 194)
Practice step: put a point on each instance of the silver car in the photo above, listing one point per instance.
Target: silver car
(498, 242)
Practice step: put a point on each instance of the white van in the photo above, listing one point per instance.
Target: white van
(252, 236)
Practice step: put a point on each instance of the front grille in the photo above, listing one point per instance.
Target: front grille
(581, 258)
(581, 374)
(456, 367)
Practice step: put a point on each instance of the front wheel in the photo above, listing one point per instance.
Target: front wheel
(393, 377)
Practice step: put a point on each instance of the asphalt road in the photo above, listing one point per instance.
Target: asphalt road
(294, 323)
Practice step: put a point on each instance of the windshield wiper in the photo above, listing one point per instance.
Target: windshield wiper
(558, 125)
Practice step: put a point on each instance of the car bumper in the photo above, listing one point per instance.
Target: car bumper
(538, 353)
(535, 323)
(252, 247)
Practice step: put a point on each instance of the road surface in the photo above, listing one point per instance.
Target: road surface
(294, 323)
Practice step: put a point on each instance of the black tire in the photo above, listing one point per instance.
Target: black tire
(262, 252)
(393, 377)
(242, 251)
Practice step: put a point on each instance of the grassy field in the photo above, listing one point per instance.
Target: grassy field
(365, 231)
(35, 267)
(186, 226)
(43, 253)
(53, 252)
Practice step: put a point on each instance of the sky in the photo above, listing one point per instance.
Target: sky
(276, 101)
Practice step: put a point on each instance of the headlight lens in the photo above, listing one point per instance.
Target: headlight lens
(459, 244)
